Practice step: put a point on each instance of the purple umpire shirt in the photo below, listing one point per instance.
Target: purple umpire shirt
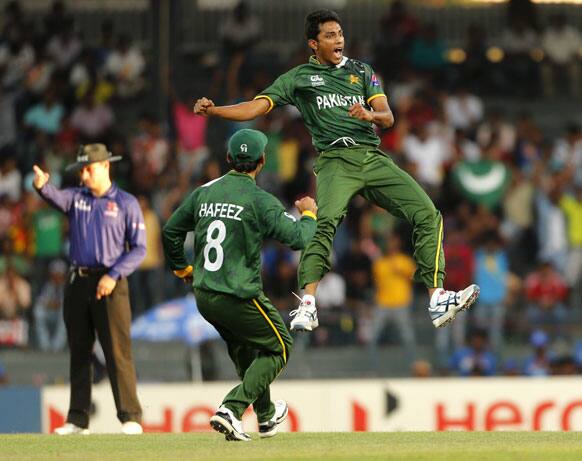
(106, 231)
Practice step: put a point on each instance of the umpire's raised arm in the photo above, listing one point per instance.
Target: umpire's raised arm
(62, 200)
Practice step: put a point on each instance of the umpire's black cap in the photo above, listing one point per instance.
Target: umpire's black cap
(92, 153)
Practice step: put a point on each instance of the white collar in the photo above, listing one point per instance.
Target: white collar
(342, 63)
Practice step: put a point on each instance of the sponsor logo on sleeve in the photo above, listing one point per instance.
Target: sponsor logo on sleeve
(375, 81)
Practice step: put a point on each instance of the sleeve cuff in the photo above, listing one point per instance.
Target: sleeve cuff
(183, 272)
(271, 103)
(39, 189)
(309, 214)
(114, 274)
(374, 96)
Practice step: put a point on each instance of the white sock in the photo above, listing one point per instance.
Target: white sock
(308, 300)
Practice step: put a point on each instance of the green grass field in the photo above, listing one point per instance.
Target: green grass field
(449, 446)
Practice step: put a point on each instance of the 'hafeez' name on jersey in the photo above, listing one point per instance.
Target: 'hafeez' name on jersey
(220, 210)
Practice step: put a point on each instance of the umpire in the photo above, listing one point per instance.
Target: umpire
(107, 243)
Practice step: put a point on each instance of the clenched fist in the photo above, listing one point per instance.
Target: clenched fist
(358, 111)
(202, 105)
(306, 204)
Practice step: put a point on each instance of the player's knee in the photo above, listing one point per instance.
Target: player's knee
(429, 217)
(327, 227)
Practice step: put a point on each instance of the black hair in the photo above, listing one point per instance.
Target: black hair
(315, 18)
(491, 237)
(245, 167)
(242, 166)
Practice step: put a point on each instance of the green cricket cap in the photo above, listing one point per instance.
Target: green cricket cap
(247, 145)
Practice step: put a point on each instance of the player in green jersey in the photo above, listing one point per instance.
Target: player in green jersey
(230, 218)
(340, 100)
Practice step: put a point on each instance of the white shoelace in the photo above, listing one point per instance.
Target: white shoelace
(294, 312)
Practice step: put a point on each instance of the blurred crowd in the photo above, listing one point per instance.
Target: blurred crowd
(510, 195)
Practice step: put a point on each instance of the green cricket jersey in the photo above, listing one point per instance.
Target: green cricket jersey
(323, 94)
(230, 217)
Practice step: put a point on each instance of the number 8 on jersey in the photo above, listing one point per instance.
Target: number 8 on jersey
(214, 243)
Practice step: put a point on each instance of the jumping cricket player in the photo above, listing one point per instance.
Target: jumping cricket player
(341, 99)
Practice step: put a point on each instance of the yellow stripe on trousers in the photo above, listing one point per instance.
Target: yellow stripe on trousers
(438, 253)
(274, 329)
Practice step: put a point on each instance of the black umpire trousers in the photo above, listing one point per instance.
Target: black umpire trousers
(110, 317)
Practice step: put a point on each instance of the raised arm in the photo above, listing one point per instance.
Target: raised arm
(62, 200)
(243, 111)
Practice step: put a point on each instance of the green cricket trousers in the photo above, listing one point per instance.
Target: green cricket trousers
(366, 170)
(258, 343)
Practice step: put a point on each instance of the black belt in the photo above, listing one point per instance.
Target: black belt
(83, 271)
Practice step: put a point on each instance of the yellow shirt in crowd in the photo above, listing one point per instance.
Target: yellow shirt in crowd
(573, 211)
(153, 257)
(393, 280)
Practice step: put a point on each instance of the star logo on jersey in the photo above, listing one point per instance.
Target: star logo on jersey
(354, 79)
(316, 80)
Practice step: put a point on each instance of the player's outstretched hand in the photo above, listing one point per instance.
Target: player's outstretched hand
(358, 111)
(306, 204)
(201, 106)
(40, 177)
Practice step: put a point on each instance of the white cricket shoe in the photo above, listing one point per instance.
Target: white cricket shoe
(305, 316)
(71, 429)
(131, 428)
(271, 427)
(444, 305)
(225, 422)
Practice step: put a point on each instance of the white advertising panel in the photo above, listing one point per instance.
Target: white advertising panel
(354, 405)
